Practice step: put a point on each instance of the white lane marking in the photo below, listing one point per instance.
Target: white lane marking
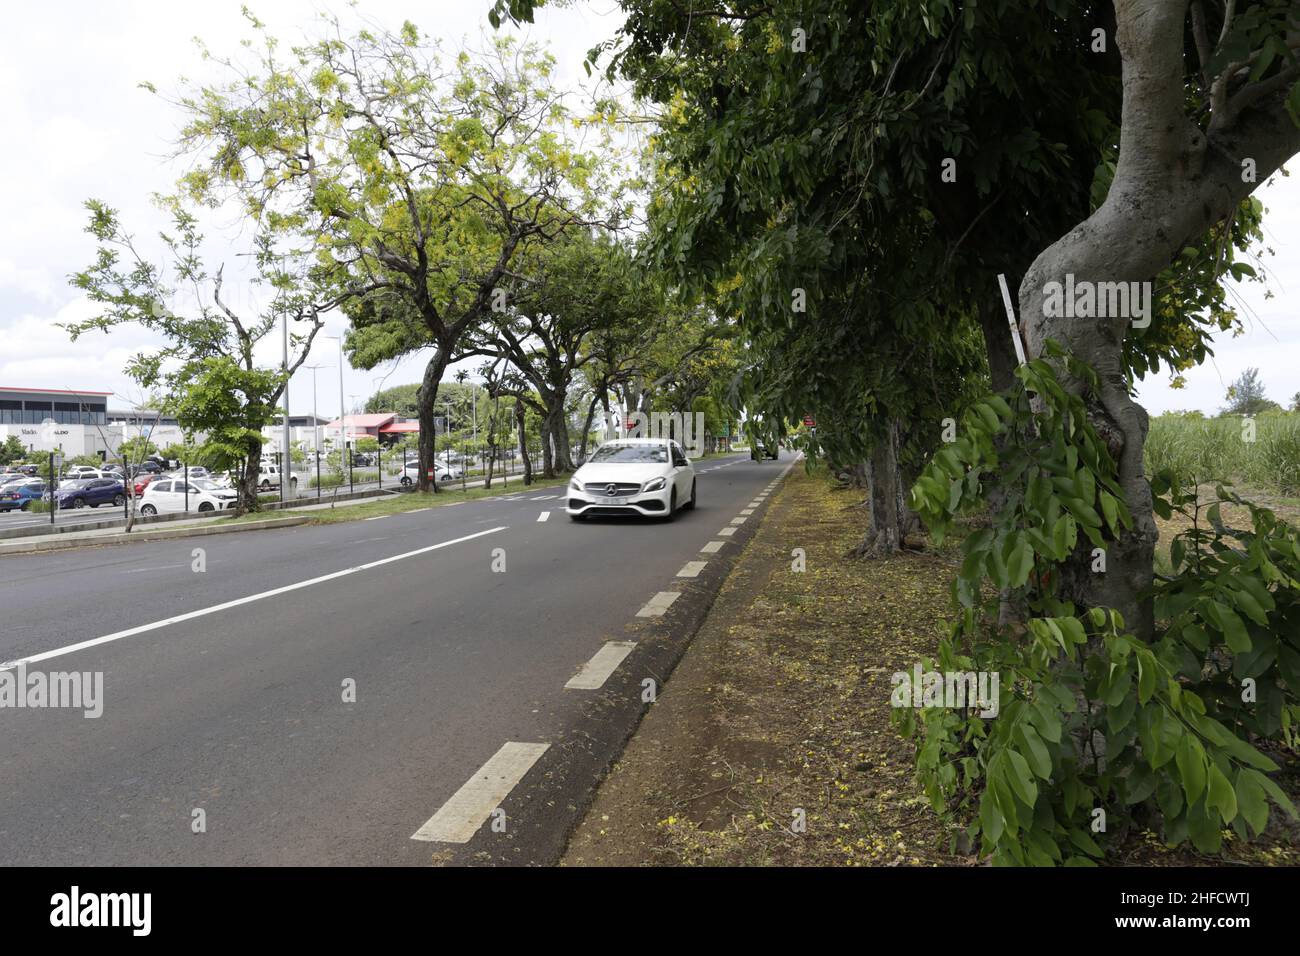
(747, 511)
(692, 569)
(712, 547)
(544, 498)
(604, 662)
(460, 817)
(739, 520)
(726, 532)
(375, 518)
(543, 516)
(416, 511)
(203, 612)
(656, 606)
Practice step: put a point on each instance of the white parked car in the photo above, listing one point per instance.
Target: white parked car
(268, 477)
(633, 476)
(168, 495)
(196, 471)
(85, 473)
(440, 472)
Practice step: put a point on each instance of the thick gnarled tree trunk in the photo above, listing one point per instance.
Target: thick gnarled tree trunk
(1172, 183)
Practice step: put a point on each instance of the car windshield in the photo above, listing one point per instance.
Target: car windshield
(631, 454)
(204, 485)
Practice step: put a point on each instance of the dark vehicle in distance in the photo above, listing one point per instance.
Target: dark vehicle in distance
(92, 493)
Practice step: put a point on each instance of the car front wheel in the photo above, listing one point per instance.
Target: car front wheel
(118, 501)
(79, 503)
(148, 510)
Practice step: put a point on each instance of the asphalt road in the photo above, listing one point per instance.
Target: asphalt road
(237, 709)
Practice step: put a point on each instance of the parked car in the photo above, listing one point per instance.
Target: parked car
(142, 482)
(268, 477)
(168, 495)
(633, 476)
(85, 473)
(146, 467)
(91, 492)
(440, 472)
(20, 494)
(195, 471)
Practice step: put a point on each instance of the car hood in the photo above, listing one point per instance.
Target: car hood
(621, 472)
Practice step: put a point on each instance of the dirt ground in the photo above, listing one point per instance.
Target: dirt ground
(771, 743)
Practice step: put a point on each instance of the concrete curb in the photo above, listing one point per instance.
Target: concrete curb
(65, 541)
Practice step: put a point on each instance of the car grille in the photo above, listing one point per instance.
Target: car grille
(621, 488)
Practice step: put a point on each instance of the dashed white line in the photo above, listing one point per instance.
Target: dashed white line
(747, 511)
(713, 546)
(459, 818)
(215, 608)
(656, 606)
(543, 516)
(739, 520)
(726, 532)
(375, 518)
(596, 671)
(692, 569)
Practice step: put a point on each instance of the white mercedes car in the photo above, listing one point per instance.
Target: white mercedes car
(633, 476)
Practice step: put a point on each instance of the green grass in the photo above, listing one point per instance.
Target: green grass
(1222, 449)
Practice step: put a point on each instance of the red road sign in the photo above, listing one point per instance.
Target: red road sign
(809, 421)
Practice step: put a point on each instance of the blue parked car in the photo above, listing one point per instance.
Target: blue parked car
(93, 492)
(20, 495)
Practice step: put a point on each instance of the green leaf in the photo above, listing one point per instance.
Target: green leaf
(1020, 562)
(1035, 750)
(1252, 801)
(1190, 757)
(1220, 794)
(1020, 778)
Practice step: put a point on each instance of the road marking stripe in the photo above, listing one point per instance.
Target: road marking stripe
(543, 516)
(739, 520)
(375, 518)
(658, 604)
(713, 546)
(747, 511)
(416, 511)
(459, 818)
(202, 612)
(726, 532)
(604, 662)
(692, 569)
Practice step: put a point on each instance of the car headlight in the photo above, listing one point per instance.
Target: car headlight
(654, 484)
(574, 485)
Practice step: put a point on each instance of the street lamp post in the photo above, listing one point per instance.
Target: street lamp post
(288, 457)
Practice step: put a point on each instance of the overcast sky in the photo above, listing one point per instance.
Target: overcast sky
(77, 126)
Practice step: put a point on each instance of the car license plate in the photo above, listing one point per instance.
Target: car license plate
(611, 501)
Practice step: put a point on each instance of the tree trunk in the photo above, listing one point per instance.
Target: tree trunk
(523, 442)
(883, 481)
(426, 399)
(248, 500)
(560, 437)
(586, 429)
(1170, 186)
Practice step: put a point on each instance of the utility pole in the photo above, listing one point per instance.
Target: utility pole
(342, 410)
(287, 460)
